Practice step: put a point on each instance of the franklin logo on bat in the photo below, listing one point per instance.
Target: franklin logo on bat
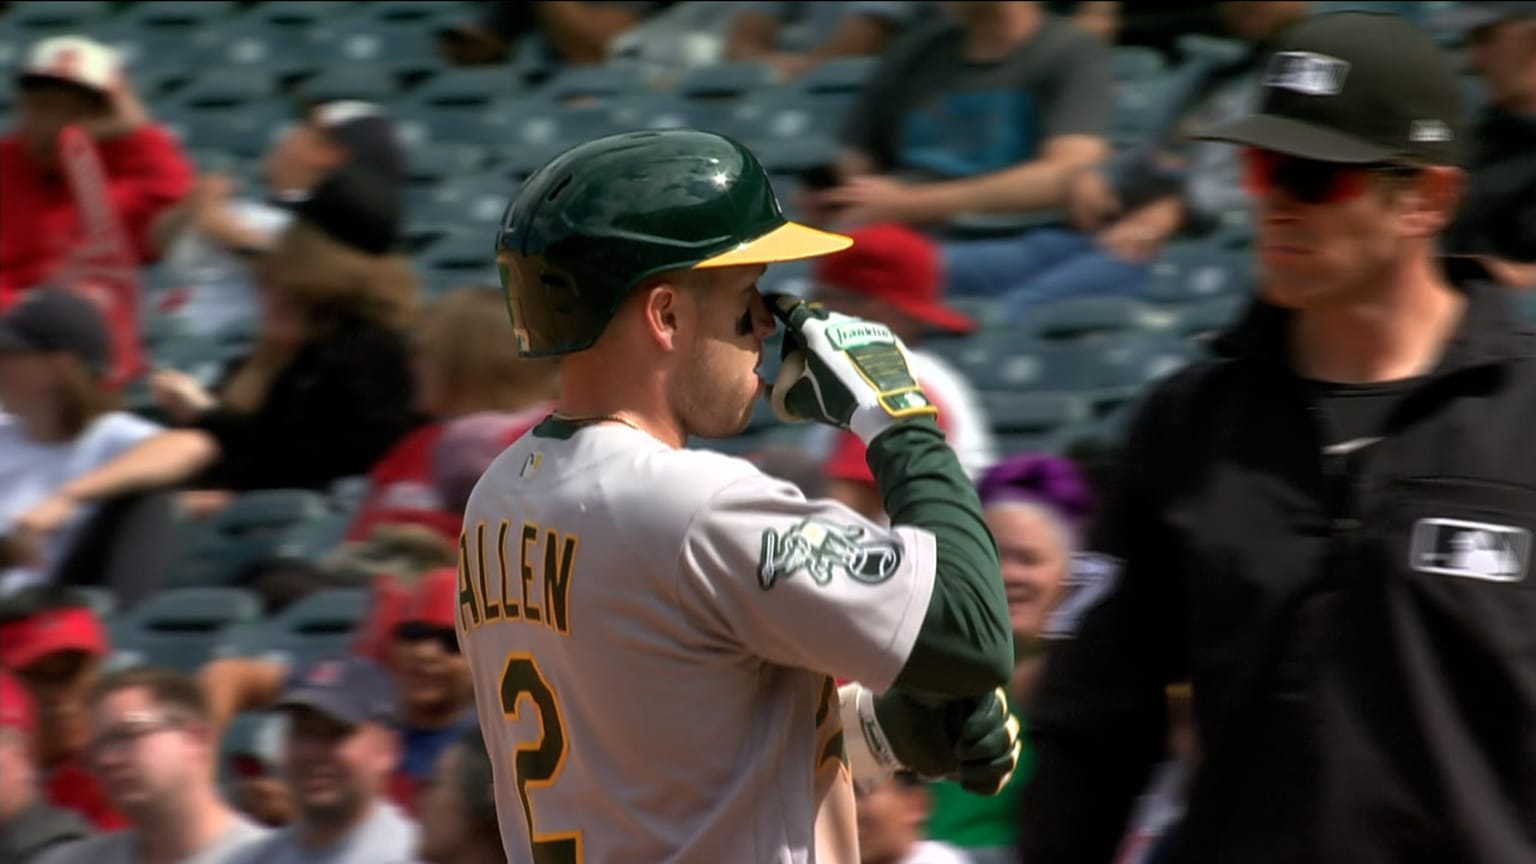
(822, 548)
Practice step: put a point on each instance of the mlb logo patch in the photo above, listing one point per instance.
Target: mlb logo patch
(1307, 72)
(1473, 550)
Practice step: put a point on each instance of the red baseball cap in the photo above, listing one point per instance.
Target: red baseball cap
(28, 640)
(896, 266)
(436, 598)
(15, 704)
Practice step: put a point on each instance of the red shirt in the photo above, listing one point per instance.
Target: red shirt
(146, 173)
(400, 487)
(73, 788)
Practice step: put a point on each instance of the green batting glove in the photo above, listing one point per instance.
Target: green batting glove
(974, 742)
(843, 371)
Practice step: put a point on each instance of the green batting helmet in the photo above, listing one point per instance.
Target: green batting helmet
(601, 218)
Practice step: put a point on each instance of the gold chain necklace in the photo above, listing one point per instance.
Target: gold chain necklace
(583, 419)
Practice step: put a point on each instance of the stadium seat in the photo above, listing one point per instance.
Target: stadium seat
(1135, 63)
(421, 13)
(101, 600)
(472, 203)
(430, 167)
(228, 87)
(475, 87)
(288, 17)
(590, 84)
(1102, 374)
(319, 625)
(43, 18)
(844, 76)
(795, 156)
(403, 46)
(1086, 318)
(728, 80)
(461, 258)
(251, 529)
(650, 111)
(182, 628)
(1034, 414)
(1197, 271)
(182, 16)
(539, 123)
(1525, 304)
(347, 493)
(369, 82)
(1203, 320)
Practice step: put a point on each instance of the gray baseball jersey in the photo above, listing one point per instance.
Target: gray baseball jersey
(653, 635)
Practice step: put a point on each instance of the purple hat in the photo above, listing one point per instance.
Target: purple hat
(1034, 478)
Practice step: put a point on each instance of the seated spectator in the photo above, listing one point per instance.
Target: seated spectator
(46, 237)
(411, 633)
(467, 366)
(982, 113)
(1498, 212)
(326, 393)
(151, 745)
(210, 239)
(569, 33)
(891, 813)
(458, 809)
(833, 30)
(29, 826)
(342, 746)
(55, 646)
(1037, 508)
(58, 423)
(891, 274)
(1122, 214)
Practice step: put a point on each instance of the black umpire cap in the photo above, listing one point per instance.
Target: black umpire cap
(1356, 87)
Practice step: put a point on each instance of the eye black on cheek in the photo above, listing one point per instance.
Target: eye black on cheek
(744, 323)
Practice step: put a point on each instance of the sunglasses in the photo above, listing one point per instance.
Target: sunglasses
(1309, 181)
(417, 631)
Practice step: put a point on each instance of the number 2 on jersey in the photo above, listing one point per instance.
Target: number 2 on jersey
(538, 764)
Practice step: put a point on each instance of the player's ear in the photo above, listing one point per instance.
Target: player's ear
(663, 308)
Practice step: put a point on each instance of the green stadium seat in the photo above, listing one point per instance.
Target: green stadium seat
(182, 628)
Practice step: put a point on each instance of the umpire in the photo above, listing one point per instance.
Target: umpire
(1327, 530)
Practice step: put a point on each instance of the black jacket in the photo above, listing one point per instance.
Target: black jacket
(332, 412)
(37, 829)
(1364, 688)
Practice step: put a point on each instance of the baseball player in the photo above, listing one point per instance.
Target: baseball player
(654, 632)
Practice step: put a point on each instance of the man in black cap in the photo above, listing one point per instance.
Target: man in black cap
(1328, 529)
(1498, 216)
(341, 748)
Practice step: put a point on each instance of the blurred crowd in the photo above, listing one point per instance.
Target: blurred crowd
(981, 166)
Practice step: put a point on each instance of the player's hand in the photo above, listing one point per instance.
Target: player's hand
(179, 394)
(974, 742)
(1090, 202)
(843, 371)
(987, 745)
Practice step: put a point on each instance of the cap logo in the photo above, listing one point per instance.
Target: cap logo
(325, 673)
(1429, 130)
(67, 62)
(1306, 72)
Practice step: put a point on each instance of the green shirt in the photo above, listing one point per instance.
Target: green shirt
(971, 821)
